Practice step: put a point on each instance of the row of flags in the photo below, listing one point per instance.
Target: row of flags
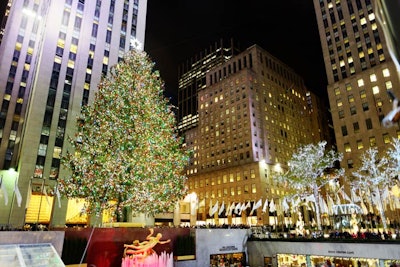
(238, 208)
(18, 195)
(328, 205)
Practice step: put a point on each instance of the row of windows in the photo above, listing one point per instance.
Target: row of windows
(361, 83)
(356, 127)
(232, 191)
(359, 144)
(232, 67)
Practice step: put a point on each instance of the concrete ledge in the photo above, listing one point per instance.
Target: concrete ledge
(124, 224)
(56, 238)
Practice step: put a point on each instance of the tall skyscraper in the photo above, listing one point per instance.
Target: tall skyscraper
(254, 111)
(360, 71)
(192, 78)
(53, 54)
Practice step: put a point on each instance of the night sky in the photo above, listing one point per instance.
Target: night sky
(178, 30)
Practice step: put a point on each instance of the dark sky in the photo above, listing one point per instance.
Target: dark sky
(177, 30)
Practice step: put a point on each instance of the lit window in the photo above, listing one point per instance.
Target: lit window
(386, 73)
(239, 190)
(360, 82)
(348, 87)
(252, 174)
(339, 102)
(350, 98)
(360, 144)
(372, 78)
(232, 191)
(375, 90)
(363, 21)
(388, 85)
(350, 60)
(386, 138)
(337, 91)
(347, 147)
(371, 17)
(57, 152)
(372, 141)
(363, 94)
(253, 188)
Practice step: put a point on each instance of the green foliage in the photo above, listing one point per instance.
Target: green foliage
(126, 152)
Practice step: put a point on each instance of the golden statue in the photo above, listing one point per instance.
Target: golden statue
(143, 249)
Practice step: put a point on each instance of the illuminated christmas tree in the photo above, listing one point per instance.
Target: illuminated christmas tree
(126, 152)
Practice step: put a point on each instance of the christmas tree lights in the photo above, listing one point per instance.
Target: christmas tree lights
(126, 152)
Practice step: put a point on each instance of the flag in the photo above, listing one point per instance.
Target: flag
(241, 208)
(310, 198)
(202, 203)
(248, 205)
(344, 195)
(323, 205)
(58, 196)
(256, 206)
(238, 208)
(285, 205)
(364, 208)
(221, 209)
(354, 197)
(272, 207)
(230, 209)
(214, 209)
(264, 209)
(17, 194)
(227, 209)
(4, 190)
(296, 202)
(330, 204)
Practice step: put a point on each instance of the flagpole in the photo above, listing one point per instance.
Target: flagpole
(40, 203)
(12, 202)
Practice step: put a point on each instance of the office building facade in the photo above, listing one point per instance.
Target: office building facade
(360, 71)
(254, 112)
(53, 55)
(192, 78)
